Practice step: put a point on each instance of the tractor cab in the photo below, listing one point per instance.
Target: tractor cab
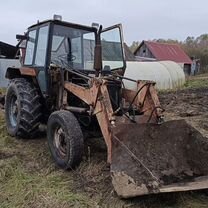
(72, 46)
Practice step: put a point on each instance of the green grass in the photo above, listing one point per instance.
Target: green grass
(191, 83)
(2, 91)
(196, 83)
(28, 177)
(22, 189)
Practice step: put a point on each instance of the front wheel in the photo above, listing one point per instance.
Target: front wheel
(65, 139)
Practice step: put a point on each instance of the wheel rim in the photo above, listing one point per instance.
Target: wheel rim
(60, 142)
(13, 110)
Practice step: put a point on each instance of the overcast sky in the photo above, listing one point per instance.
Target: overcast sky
(141, 19)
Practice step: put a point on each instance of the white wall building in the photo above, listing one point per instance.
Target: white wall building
(4, 64)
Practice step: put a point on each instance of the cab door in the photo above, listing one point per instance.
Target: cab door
(113, 56)
(41, 56)
(36, 53)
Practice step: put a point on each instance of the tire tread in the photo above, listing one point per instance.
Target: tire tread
(30, 108)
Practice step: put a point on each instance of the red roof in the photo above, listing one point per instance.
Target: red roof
(166, 51)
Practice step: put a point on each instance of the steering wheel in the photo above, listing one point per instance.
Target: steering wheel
(66, 57)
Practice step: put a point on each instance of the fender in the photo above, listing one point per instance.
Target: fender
(20, 72)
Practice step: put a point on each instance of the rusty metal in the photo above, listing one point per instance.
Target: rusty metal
(79, 91)
(98, 53)
(28, 71)
(158, 158)
(146, 100)
(97, 96)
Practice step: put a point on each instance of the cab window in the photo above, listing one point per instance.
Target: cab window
(30, 48)
(40, 56)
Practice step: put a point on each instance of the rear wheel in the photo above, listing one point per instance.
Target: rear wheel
(65, 139)
(22, 108)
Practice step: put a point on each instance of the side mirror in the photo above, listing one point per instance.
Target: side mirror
(21, 37)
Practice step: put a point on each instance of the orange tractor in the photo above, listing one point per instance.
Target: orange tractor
(72, 79)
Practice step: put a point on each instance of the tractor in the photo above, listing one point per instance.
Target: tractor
(72, 79)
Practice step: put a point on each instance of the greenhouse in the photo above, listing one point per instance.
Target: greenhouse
(166, 74)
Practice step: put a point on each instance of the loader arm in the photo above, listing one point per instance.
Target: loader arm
(97, 97)
(146, 100)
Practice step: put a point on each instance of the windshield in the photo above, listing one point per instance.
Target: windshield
(73, 47)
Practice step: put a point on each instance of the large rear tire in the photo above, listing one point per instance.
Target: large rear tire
(22, 109)
(65, 139)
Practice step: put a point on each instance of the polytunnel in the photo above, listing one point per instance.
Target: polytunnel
(166, 74)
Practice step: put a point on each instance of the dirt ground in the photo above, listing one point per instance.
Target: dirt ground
(29, 178)
(188, 104)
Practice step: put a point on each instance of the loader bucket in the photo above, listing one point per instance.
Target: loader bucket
(152, 158)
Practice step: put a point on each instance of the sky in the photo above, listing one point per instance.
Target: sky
(141, 19)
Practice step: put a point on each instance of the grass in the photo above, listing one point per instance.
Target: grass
(196, 83)
(28, 177)
(22, 189)
(2, 91)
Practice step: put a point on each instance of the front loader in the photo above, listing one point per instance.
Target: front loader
(72, 79)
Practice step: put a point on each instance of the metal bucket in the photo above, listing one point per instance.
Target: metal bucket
(152, 158)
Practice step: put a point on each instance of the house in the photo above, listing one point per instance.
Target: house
(163, 52)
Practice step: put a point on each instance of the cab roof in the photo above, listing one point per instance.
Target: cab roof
(63, 23)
